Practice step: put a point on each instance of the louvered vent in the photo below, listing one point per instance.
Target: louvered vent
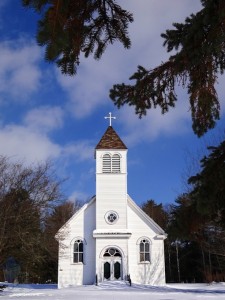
(116, 163)
(106, 164)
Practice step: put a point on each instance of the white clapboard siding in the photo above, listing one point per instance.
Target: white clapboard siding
(81, 225)
(111, 194)
(145, 273)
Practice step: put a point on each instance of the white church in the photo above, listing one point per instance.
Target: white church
(111, 238)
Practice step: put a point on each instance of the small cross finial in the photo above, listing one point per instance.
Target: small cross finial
(110, 118)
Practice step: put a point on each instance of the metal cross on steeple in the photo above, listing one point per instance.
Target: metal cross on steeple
(110, 118)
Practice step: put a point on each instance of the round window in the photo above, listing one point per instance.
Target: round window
(111, 217)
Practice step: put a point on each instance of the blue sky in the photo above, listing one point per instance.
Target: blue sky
(46, 115)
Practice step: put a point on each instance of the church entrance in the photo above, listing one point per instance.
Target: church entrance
(112, 264)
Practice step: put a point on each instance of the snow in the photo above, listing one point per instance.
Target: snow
(115, 290)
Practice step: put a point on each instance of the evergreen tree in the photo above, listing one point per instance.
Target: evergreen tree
(200, 57)
(156, 212)
(69, 28)
(199, 237)
(209, 185)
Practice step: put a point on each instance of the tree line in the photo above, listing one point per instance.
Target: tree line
(32, 209)
(195, 224)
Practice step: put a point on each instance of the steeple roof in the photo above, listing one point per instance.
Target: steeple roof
(110, 140)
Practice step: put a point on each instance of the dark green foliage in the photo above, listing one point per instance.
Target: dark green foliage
(189, 259)
(200, 56)
(209, 184)
(186, 222)
(68, 28)
(156, 212)
(194, 239)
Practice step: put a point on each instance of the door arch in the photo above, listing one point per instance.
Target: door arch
(112, 264)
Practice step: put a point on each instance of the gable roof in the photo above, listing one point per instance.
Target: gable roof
(110, 140)
(144, 216)
(160, 233)
(77, 213)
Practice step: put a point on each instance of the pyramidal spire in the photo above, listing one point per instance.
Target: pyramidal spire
(110, 140)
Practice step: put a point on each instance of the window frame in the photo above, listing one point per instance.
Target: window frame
(80, 253)
(111, 163)
(111, 212)
(146, 253)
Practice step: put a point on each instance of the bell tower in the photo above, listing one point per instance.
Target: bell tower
(111, 181)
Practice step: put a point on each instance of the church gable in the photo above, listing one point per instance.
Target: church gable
(73, 219)
(153, 226)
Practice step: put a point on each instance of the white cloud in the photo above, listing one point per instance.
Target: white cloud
(80, 151)
(151, 18)
(23, 143)
(20, 74)
(154, 124)
(26, 143)
(45, 118)
(32, 141)
(89, 89)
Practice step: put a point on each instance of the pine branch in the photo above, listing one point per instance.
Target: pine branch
(67, 28)
(200, 56)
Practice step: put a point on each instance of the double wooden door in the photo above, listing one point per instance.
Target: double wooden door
(112, 268)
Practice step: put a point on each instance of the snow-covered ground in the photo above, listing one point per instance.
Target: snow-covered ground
(116, 290)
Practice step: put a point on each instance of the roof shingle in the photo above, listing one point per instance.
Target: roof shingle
(110, 140)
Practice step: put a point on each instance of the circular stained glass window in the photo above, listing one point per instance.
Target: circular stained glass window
(111, 217)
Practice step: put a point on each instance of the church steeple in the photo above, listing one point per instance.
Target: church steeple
(111, 180)
(110, 140)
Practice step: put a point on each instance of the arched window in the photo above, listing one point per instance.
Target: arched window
(144, 250)
(116, 163)
(111, 164)
(106, 163)
(78, 251)
(112, 252)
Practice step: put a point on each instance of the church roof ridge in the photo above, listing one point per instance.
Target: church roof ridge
(110, 140)
(85, 206)
(147, 217)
